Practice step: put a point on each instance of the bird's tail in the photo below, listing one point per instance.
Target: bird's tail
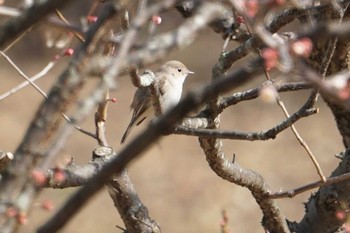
(127, 131)
(132, 123)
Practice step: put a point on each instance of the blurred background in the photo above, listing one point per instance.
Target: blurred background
(173, 178)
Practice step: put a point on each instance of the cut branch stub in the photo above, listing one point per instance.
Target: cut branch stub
(102, 151)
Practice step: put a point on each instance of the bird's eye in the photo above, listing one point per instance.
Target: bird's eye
(179, 70)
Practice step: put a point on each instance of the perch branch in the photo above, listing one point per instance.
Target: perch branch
(253, 136)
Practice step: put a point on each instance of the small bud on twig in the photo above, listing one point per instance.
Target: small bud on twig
(47, 205)
(302, 47)
(270, 56)
(38, 177)
(91, 19)
(59, 175)
(68, 52)
(156, 19)
(22, 218)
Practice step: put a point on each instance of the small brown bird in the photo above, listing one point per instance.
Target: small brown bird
(170, 78)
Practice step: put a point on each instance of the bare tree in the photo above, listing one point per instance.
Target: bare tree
(111, 42)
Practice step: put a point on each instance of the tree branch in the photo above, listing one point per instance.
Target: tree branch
(253, 136)
(255, 92)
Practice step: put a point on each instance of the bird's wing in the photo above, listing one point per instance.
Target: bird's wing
(161, 86)
(140, 104)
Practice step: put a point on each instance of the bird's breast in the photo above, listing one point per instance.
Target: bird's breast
(170, 98)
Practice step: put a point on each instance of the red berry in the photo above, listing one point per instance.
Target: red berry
(91, 19)
(56, 57)
(22, 218)
(239, 19)
(344, 94)
(38, 177)
(114, 100)
(47, 205)
(156, 19)
(68, 52)
(340, 215)
(252, 7)
(59, 175)
(11, 212)
(270, 56)
(302, 47)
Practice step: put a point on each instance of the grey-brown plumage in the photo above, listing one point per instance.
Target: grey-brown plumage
(170, 78)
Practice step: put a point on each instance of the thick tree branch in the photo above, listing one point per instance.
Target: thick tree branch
(133, 212)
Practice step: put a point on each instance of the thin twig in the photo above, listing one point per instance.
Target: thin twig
(302, 142)
(76, 34)
(39, 75)
(255, 92)
(15, 41)
(84, 108)
(293, 192)
(293, 128)
(36, 87)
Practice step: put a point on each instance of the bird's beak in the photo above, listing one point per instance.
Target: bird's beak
(190, 72)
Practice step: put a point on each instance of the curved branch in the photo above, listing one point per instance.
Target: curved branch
(254, 93)
(253, 136)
